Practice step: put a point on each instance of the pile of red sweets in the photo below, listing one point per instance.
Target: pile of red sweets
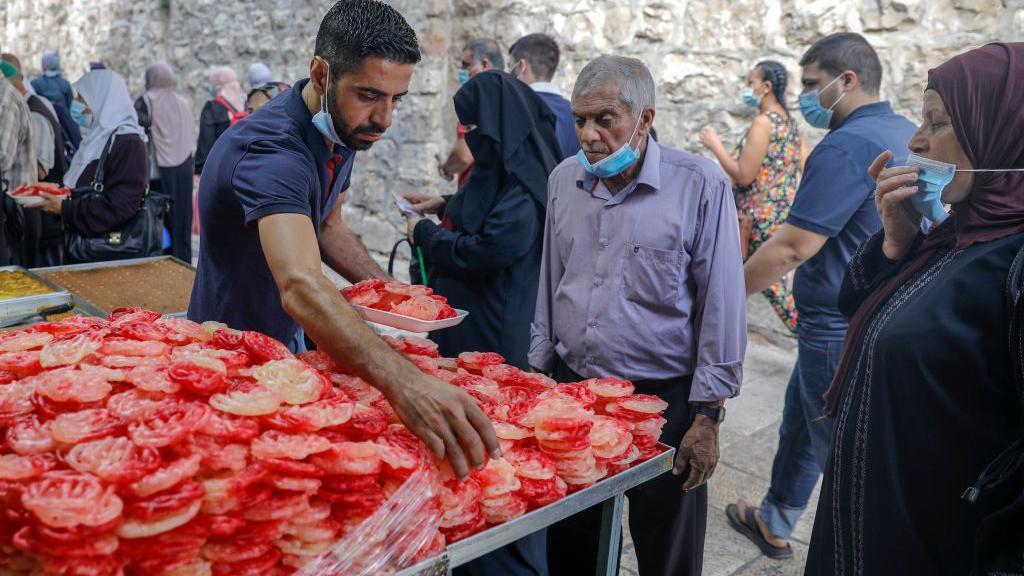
(139, 444)
(412, 300)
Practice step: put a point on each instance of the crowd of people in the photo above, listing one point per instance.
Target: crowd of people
(584, 247)
(106, 164)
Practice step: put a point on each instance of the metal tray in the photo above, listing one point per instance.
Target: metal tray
(83, 306)
(23, 305)
(608, 491)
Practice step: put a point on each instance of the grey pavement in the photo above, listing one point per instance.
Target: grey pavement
(748, 440)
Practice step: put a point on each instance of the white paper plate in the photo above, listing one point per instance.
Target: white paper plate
(407, 323)
(29, 201)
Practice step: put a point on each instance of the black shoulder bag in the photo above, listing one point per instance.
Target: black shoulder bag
(139, 237)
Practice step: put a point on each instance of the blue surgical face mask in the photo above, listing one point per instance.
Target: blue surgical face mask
(79, 115)
(747, 94)
(462, 75)
(322, 119)
(614, 163)
(810, 106)
(932, 178)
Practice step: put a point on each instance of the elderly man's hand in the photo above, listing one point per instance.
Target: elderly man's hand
(699, 450)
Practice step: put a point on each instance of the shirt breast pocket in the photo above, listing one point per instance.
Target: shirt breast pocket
(651, 276)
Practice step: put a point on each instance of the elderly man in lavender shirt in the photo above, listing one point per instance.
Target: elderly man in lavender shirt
(642, 279)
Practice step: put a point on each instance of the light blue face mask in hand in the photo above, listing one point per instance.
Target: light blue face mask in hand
(932, 178)
(614, 163)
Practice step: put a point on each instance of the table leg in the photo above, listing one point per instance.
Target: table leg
(611, 533)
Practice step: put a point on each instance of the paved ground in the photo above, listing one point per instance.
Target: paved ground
(748, 440)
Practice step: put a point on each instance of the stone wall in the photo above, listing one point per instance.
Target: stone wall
(698, 51)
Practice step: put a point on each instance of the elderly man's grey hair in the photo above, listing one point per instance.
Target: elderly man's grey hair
(488, 48)
(631, 76)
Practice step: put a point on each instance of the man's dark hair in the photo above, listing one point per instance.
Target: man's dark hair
(354, 30)
(541, 51)
(488, 48)
(837, 53)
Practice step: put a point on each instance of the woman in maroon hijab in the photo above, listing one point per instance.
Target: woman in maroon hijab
(924, 396)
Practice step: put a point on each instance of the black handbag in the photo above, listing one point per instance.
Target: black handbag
(139, 237)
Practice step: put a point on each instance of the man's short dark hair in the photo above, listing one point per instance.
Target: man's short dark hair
(354, 30)
(837, 53)
(541, 51)
(487, 48)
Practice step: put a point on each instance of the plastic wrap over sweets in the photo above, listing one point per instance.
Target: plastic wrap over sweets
(402, 532)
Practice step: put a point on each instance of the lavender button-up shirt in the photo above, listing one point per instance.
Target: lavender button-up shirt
(645, 284)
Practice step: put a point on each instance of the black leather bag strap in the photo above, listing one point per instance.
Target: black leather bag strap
(101, 168)
(1010, 460)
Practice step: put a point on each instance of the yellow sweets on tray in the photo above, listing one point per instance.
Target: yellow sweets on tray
(17, 285)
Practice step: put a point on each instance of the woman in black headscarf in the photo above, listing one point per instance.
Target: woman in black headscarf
(485, 255)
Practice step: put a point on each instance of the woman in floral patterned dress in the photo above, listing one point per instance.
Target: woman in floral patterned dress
(765, 167)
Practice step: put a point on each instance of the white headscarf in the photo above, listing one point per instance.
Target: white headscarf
(105, 93)
(259, 74)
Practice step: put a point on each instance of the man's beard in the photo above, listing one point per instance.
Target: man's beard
(347, 136)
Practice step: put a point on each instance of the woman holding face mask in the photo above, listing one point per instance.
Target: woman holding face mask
(926, 393)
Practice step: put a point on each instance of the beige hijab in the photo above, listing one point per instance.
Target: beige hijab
(173, 123)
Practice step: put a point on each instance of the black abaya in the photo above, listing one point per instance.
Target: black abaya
(929, 402)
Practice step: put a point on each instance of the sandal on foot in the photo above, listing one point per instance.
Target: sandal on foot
(747, 525)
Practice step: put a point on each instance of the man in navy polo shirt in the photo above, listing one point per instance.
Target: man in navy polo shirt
(270, 207)
(534, 59)
(834, 211)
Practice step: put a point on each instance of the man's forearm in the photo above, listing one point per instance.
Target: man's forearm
(346, 254)
(316, 305)
(768, 265)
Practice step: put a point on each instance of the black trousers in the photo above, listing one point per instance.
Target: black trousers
(666, 524)
(524, 557)
(42, 242)
(176, 182)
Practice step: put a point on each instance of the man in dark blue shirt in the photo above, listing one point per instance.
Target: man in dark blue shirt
(534, 59)
(834, 211)
(270, 208)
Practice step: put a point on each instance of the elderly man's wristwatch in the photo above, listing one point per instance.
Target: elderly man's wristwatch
(715, 414)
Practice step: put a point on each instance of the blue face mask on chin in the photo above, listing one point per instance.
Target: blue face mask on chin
(747, 94)
(614, 163)
(322, 120)
(462, 75)
(814, 113)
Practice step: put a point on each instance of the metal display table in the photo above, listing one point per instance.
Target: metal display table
(608, 492)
